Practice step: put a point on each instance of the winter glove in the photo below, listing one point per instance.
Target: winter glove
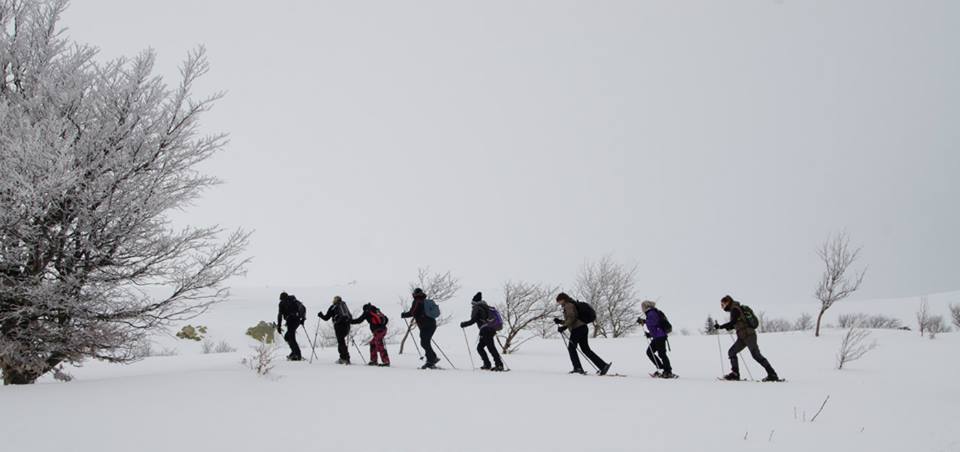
(561, 329)
(716, 326)
(647, 335)
(641, 320)
(404, 315)
(464, 324)
(557, 321)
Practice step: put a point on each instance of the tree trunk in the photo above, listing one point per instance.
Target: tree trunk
(405, 336)
(819, 317)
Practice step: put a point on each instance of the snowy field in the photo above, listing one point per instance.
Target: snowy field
(903, 396)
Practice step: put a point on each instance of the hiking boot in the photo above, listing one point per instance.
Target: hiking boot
(656, 374)
(771, 378)
(732, 376)
(429, 365)
(384, 365)
(295, 358)
(343, 361)
(485, 366)
(605, 369)
(497, 368)
(373, 363)
(668, 375)
(577, 371)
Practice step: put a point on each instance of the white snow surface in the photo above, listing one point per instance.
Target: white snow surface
(903, 396)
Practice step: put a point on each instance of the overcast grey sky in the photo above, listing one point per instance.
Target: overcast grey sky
(712, 143)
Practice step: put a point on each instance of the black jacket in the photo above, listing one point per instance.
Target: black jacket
(418, 313)
(334, 312)
(366, 317)
(292, 311)
(480, 314)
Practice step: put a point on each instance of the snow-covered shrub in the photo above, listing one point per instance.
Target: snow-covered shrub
(263, 332)
(224, 347)
(936, 324)
(955, 314)
(876, 321)
(854, 345)
(61, 375)
(192, 333)
(804, 322)
(776, 326)
(264, 353)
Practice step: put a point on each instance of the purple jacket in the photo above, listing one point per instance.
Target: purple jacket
(653, 324)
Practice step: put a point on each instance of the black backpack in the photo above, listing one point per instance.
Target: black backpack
(585, 312)
(664, 322)
(749, 317)
(342, 313)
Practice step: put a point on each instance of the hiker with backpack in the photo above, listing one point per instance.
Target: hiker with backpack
(425, 312)
(340, 314)
(488, 319)
(378, 326)
(294, 313)
(576, 316)
(745, 322)
(658, 327)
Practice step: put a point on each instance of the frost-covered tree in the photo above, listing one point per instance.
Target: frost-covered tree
(611, 289)
(708, 326)
(439, 287)
(525, 305)
(923, 316)
(93, 156)
(836, 283)
(955, 314)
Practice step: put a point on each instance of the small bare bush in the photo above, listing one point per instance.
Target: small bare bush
(206, 347)
(837, 281)
(777, 326)
(61, 375)
(935, 325)
(804, 322)
(955, 314)
(854, 345)
(168, 352)
(262, 359)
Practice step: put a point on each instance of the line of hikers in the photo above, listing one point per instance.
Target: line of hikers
(577, 315)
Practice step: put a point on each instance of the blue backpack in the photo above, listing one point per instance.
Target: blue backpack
(494, 320)
(431, 309)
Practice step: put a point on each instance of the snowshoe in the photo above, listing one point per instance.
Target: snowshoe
(430, 365)
(485, 367)
(605, 369)
(345, 362)
(772, 378)
(732, 376)
(383, 365)
(668, 375)
(655, 374)
(497, 368)
(294, 358)
(577, 371)
(373, 363)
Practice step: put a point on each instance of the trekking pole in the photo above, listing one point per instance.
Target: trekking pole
(360, 352)
(723, 370)
(312, 348)
(313, 345)
(582, 355)
(467, 343)
(502, 361)
(415, 346)
(444, 354)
